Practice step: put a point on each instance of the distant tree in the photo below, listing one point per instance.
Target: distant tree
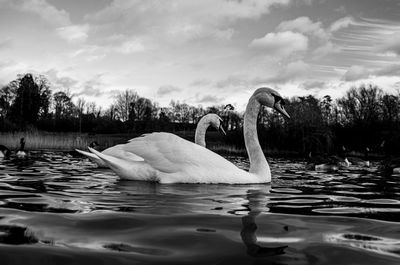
(63, 106)
(390, 108)
(362, 104)
(123, 105)
(143, 109)
(7, 96)
(326, 108)
(45, 95)
(27, 103)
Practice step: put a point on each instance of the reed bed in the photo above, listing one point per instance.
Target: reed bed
(40, 140)
(58, 141)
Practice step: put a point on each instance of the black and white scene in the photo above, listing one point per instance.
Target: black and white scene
(200, 132)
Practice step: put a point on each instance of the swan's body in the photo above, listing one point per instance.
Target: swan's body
(206, 121)
(390, 166)
(362, 162)
(359, 162)
(168, 158)
(326, 163)
(4, 152)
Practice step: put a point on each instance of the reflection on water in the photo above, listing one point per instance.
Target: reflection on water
(63, 208)
(248, 233)
(381, 245)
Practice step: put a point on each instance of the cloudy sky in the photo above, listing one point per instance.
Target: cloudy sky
(202, 51)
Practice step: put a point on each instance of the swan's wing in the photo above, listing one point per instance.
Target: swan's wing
(169, 153)
(118, 151)
(92, 157)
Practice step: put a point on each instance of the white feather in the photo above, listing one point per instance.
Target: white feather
(117, 151)
(172, 159)
(168, 158)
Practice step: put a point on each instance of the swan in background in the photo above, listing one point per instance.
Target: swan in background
(167, 158)
(4, 152)
(206, 121)
(326, 163)
(390, 166)
(21, 152)
(359, 161)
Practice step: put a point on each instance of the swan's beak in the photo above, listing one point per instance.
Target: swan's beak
(278, 106)
(221, 129)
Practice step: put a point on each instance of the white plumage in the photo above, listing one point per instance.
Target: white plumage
(167, 158)
(206, 121)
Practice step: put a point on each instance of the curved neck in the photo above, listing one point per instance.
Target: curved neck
(200, 135)
(258, 163)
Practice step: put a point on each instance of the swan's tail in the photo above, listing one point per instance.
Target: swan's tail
(94, 158)
(126, 168)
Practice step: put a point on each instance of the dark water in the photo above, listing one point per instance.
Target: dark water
(56, 209)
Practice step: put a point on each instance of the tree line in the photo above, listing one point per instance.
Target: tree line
(365, 117)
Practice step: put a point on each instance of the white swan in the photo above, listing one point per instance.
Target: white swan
(167, 158)
(4, 152)
(206, 121)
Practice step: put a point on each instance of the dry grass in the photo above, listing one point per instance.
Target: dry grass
(40, 140)
(58, 141)
(233, 150)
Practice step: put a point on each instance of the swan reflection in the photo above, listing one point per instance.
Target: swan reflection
(257, 201)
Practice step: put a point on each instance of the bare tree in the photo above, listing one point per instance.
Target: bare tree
(123, 104)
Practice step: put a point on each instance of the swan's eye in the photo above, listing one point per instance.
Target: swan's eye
(278, 99)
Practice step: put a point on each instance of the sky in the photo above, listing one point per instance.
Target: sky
(202, 52)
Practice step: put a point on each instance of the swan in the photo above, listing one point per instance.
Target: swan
(326, 163)
(210, 119)
(167, 158)
(359, 161)
(390, 166)
(4, 152)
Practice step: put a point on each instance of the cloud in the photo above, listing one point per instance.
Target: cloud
(60, 82)
(74, 33)
(355, 73)
(291, 72)
(209, 99)
(321, 38)
(304, 25)
(389, 70)
(92, 87)
(233, 81)
(281, 43)
(391, 43)
(180, 21)
(43, 9)
(341, 23)
(166, 90)
(201, 82)
(5, 43)
(130, 46)
(313, 84)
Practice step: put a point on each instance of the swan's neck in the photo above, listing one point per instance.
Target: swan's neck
(200, 135)
(258, 163)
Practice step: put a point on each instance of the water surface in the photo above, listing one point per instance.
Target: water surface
(59, 209)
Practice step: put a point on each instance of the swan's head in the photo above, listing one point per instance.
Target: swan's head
(215, 121)
(270, 98)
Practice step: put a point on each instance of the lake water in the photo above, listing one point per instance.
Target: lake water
(59, 209)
